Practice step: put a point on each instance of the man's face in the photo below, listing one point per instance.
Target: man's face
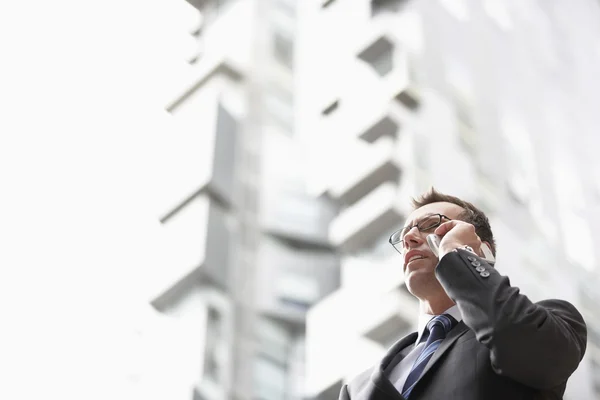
(419, 273)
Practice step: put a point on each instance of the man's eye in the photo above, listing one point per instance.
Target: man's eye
(428, 224)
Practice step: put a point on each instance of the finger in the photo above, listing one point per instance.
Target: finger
(445, 227)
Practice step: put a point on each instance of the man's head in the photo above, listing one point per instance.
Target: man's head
(419, 273)
(470, 214)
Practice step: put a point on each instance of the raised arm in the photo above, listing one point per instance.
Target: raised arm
(537, 344)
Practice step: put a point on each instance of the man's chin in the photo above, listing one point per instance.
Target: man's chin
(417, 279)
(418, 265)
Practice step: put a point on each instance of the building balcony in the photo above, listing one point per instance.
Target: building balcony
(331, 333)
(393, 316)
(388, 57)
(369, 218)
(196, 242)
(199, 162)
(291, 280)
(213, 32)
(296, 216)
(354, 180)
(380, 124)
(364, 322)
(382, 281)
(287, 209)
(215, 66)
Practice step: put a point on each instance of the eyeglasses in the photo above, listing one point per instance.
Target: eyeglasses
(427, 224)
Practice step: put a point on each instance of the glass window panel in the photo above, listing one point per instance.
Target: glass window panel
(283, 49)
(214, 331)
(280, 106)
(274, 340)
(270, 379)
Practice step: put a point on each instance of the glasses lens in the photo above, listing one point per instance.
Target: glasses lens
(396, 237)
(429, 223)
(403, 233)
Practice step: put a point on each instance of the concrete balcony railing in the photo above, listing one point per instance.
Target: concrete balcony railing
(394, 309)
(365, 324)
(377, 165)
(382, 123)
(390, 318)
(335, 350)
(196, 243)
(199, 162)
(369, 218)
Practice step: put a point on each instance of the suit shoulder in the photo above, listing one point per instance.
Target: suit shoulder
(360, 380)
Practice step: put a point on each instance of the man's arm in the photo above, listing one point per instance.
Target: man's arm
(537, 344)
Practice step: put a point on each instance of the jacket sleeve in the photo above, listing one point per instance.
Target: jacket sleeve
(344, 393)
(537, 344)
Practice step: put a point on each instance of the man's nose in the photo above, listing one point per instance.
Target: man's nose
(413, 238)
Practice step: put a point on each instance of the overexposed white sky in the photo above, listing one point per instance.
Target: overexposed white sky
(83, 145)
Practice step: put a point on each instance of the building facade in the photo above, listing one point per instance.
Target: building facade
(302, 129)
(492, 101)
(248, 245)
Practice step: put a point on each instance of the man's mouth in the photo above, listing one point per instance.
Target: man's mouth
(415, 257)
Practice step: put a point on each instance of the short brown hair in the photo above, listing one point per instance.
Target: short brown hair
(472, 214)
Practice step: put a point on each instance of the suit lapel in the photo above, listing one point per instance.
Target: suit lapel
(446, 344)
(379, 378)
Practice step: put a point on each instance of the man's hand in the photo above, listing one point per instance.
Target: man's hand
(456, 234)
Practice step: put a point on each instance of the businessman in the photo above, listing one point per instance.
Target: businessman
(478, 337)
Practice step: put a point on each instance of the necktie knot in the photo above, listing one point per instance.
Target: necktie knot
(445, 322)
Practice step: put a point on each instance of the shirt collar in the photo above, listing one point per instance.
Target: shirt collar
(425, 318)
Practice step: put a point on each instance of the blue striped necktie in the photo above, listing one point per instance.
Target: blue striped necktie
(438, 328)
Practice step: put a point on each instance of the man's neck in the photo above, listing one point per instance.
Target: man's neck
(435, 306)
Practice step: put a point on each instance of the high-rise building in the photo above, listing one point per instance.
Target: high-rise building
(303, 128)
(249, 250)
(493, 101)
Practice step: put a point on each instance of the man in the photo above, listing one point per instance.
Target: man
(478, 338)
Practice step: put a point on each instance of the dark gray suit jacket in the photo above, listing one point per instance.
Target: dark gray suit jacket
(505, 348)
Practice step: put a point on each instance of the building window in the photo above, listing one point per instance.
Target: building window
(271, 363)
(385, 6)
(297, 291)
(467, 134)
(279, 104)
(214, 332)
(270, 379)
(379, 55)
(283, 49)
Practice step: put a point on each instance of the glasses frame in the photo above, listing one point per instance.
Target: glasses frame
(401, 239)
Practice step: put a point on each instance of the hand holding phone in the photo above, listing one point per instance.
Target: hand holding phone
(434, 240)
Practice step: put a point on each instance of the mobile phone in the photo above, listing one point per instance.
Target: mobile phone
(434, 240)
